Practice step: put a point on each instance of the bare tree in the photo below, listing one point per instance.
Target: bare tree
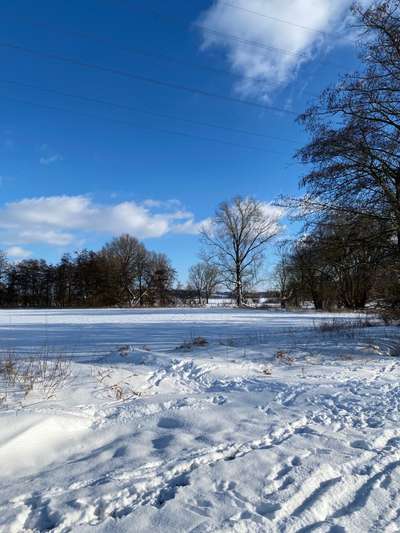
(281, 273)
(235, 241)
(161, 277)
(354, 150)
(203, 279)
(352, 162)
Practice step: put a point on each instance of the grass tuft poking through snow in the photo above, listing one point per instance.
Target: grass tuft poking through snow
(20, 377)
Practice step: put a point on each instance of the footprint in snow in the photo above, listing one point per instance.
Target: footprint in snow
(170, 423)
(120, 452)
(266, 508)
(162, 442)
(224, 486)
(361, 444)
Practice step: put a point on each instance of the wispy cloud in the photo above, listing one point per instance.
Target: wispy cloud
(49, 156)
(282, 48)
(7, 142)
(48, 160)
(62, 220)
(166, 204)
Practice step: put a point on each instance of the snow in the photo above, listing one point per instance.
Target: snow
(271, 425)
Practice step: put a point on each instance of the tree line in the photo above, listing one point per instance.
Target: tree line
(122, 273)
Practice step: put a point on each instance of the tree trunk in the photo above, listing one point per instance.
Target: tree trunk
(238, 291)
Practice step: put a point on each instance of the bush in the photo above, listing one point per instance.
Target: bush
(22, 376)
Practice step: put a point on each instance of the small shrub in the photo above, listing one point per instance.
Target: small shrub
(120, 390)
(21, 375)
(196, 342)
(199, 341)
(124, 350)
(390, 315)
(284, 357)
(337, 325)
(103, 374)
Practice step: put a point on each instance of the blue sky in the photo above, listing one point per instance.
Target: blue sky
(75, 172)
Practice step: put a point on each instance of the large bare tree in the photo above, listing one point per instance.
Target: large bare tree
(235, 241)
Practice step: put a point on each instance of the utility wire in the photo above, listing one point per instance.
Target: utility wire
(140, 127)
(175, 20)
(276, 19)
(138, 77)
(149, 54)
(144, 111)
(153, 55)
(130, 49)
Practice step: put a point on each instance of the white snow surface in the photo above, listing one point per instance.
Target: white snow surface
(272, 426)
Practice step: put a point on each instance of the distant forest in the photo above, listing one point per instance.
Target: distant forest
(123, 273)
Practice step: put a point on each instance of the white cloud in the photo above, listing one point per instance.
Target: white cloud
(191, 227)
(271, 211)
(284, 47)
(16, 252)
(48, 160)
(49, 156)
(62, 220)
(166, 204)
(274, 214)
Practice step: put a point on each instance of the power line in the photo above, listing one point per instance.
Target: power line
(140, 127)
(151, 54)
(130, 49)
(144, 79)
(276, 19)
(225, 35)
(145, 111)
(144, 53)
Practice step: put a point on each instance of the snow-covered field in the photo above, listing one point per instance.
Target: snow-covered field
(272, 426)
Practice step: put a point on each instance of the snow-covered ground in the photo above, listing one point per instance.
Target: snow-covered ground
(272, 426)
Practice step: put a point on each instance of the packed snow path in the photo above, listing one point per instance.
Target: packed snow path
(271, 426)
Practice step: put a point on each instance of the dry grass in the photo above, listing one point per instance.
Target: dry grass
(43, 375)
(196, 342)
(114, 389)
(284, 357)
(348, 327)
